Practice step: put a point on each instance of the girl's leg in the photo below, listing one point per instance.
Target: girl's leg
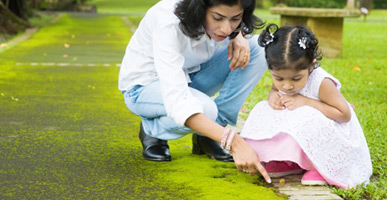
(146, 102)
(234, 87)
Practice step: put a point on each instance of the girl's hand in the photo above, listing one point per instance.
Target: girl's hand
(292, 102)
(239, 52)
(246, 159)
(274, 99)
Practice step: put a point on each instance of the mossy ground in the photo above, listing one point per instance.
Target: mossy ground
(65, 132)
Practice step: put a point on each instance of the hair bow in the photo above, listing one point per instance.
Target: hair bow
(302, 42)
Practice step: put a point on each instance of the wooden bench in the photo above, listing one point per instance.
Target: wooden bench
(327, 24)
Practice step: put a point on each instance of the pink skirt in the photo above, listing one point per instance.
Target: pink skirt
(283, 147)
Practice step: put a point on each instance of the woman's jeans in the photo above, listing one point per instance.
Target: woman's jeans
(214, 76)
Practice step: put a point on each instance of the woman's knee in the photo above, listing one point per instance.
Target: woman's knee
(210, 109)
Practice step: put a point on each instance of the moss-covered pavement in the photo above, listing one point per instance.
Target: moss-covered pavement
(65, 132)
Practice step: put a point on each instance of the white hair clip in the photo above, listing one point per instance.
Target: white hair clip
(271, 39)
(302, 42)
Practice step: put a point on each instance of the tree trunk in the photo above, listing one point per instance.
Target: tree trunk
(350, 4)
(19, 8)
(10, 23)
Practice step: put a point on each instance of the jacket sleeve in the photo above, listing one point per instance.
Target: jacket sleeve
(180, 104)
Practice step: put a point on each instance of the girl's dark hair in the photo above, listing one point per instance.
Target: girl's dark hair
(289, 47)
(192, 13)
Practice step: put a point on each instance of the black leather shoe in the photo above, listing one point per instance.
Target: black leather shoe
(205, 145)
(154, 149)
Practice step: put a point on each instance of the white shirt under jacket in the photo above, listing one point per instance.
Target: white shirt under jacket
(159, 50)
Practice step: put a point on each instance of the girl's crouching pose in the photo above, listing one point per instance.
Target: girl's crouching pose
(307, 125)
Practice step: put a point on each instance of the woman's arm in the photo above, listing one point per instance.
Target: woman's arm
(244, 156)
(239, 52)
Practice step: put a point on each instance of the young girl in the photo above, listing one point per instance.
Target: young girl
(307, 125)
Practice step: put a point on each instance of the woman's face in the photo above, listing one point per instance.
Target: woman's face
(222, 20)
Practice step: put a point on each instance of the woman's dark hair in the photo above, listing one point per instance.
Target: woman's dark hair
(289, 47)
(192, 13)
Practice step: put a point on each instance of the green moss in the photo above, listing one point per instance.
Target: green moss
(65, 132)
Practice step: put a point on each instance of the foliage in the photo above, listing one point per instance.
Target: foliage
(379, 4)
(312, 3)
(10, 23)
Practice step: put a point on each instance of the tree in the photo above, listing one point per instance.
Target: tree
(12, 22)
(18, 7)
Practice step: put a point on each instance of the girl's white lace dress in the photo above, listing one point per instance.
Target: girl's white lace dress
(338, 151)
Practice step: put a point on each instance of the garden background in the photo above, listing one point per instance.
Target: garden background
(65, 132)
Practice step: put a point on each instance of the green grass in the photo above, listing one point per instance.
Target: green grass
(132, 7)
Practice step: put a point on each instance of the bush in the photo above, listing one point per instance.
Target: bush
(313, 3)
(379, 4)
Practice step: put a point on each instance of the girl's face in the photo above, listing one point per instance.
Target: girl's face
(222, 20)
(290, 81)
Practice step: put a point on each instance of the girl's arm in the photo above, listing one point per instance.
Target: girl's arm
(274, 99)
(332, 104)
(244, 156)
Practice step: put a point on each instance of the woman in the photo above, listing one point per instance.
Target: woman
(184, 52)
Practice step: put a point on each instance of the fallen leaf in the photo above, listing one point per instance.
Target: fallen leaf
(65, 55)
(67, 45)
(244, 110)
(282, 181)
(356, 68)
(3, 45)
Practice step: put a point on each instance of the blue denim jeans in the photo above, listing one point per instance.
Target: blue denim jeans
(214, 76)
